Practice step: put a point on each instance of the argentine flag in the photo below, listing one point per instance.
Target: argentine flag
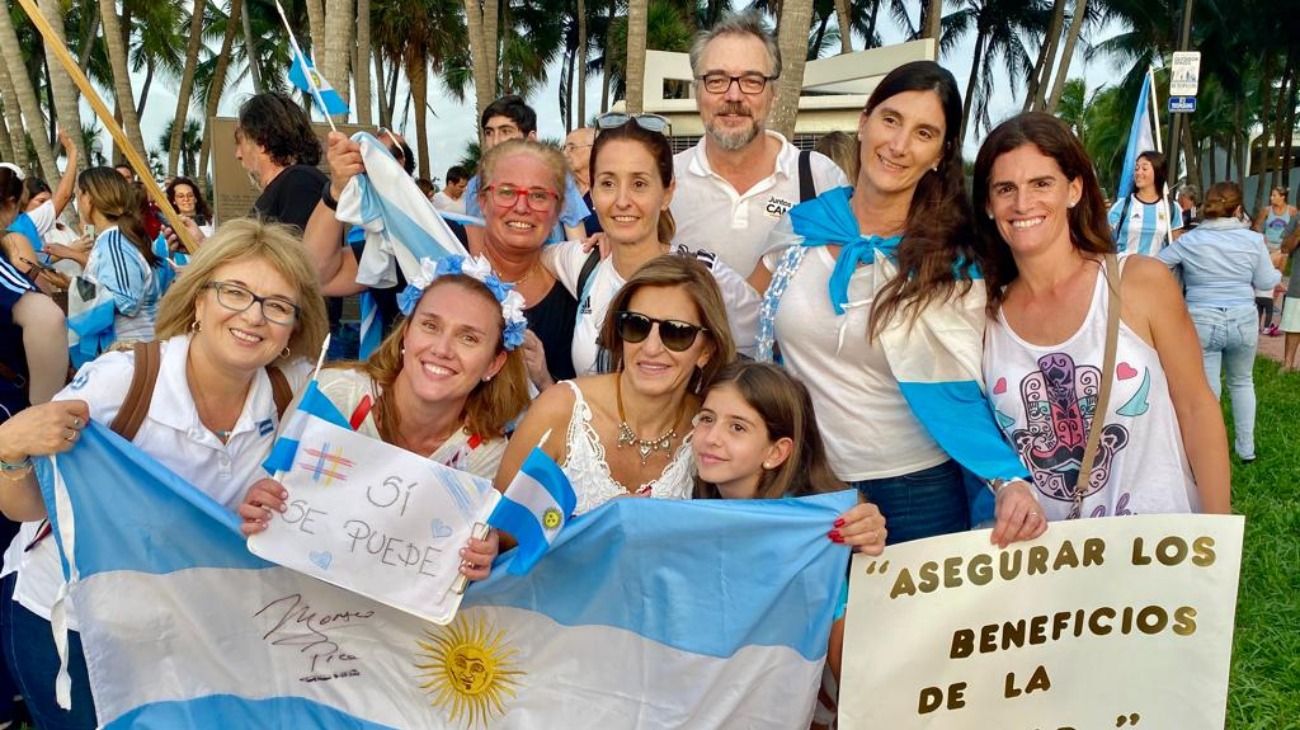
(304, 77)
(312, 405)
(645, 614)
(91, 313)
(1140, 138)
(535, 507)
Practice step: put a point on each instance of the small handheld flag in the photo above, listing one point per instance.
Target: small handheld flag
(535, 508)
(304, 77)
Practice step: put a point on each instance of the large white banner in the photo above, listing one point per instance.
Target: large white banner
(1101, 623)
(376, 519)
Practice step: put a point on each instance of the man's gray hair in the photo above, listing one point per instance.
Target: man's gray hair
(1192, 192)
(748, 23)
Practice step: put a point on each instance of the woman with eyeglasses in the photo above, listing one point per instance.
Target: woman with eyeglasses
(873, 301)
(625, 433)
(631, 188)
(234, 333)
(185, 196)
(521, 195)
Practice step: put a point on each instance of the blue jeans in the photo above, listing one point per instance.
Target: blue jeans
(1229, 338)
(921, 504)
(34, 663)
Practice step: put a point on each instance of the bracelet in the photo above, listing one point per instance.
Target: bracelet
(327, 197)
(20, 465)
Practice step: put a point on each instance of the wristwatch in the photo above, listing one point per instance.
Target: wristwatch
(327, 198)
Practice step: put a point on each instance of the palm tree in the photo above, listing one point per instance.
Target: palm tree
(187, 85)
(637, 12)
(481, 17)
(792, 37)
(155, 43)
(931, 19)
(13, 117)
(117, 56)
(6, 146)
(1000, 30)
(667, 29)
(217, 85)
(1077, 21)
(361, 69)
(340, 18)
(191, 136)
(25, 94)
(65, 93)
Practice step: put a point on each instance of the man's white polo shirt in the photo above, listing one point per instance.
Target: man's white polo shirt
(712, 215)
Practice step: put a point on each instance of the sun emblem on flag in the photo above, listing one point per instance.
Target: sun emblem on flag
(315, 78)
(551, 518)
(469, 668)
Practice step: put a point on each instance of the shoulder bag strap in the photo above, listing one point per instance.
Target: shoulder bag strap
(1110, 270)
(281, 393)
(148, 358)
(807, 189)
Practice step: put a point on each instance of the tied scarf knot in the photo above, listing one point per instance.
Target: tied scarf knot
(828, 220)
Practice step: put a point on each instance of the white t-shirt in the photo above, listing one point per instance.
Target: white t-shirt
(443, 201)
(565, 260)
(869, 428)
(347, 389)
(171, 433)
(43, 217)
(711, 215)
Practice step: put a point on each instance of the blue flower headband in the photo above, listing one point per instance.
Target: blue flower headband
(475, 267)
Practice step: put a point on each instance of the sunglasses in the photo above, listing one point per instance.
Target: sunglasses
(648, 122)
(676, 335)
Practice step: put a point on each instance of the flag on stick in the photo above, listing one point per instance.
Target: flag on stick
(535, 507)
(304, 77)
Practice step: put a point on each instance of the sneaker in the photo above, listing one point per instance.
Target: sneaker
(1273, 331)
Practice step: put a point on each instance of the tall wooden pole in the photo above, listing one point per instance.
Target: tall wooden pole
(54, 45)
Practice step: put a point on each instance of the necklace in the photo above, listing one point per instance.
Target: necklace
(628, 437)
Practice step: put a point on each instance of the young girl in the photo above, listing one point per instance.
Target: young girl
(756, 437)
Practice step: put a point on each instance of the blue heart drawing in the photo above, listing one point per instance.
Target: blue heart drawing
(322, 559)
(440, 529)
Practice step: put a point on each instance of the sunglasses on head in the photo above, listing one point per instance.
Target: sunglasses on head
(648, 122)
(676, 335)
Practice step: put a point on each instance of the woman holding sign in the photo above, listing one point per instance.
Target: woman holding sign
(1061, 306)
(233, 335)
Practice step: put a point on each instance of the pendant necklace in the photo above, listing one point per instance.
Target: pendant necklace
(628, 437)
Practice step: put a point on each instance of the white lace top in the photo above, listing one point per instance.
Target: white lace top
(589, 473)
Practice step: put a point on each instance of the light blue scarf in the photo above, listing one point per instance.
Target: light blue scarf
(828, 221)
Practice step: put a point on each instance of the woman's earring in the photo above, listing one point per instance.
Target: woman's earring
(286, 352)
(195, 326)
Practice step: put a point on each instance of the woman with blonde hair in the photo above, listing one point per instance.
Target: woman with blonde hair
(627, 432)
(234, 334)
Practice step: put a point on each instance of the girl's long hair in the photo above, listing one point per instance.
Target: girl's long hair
(117, 200)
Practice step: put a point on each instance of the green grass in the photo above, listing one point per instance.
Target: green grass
(1264, 689)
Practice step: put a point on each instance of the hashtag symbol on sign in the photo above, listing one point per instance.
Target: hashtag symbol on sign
(325, 464)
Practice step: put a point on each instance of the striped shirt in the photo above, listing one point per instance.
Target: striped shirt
(1146, 226)
(118, 266)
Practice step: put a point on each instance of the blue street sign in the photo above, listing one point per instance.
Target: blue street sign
(1184, 104)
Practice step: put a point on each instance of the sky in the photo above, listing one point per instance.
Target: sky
(452, 123)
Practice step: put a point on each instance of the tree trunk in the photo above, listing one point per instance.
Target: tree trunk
(144, 89)
(250, 51)
(933, 19)
(1067, 54)
(6, 146)
(361, 69)
(340, 19)
(418, 77)
(13, 117)
(384, 116)
(65, 94)
(316, 28)
(605, 80)
(970, 83)
(1036, 95)
(218, 83)
(870, 41)
(1288, 156)
(1193, 171)
(815, 51)
(566, 100)
(582, 63)
(27, 103)
(844, 19)
(187, 86)
(792, 37)
(1281, 134)
(392, 91)
(637, 17)
(480, 47)
(1214, 164)
(1266, 105)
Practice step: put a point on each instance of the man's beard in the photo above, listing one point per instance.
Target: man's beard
(734, 140)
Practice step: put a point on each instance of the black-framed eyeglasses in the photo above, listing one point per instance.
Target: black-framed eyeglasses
(238, 298)
(750, 84)
(648, 122)
(539, 200)
(676, 335)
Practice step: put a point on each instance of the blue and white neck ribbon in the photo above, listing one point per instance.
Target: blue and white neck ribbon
(828, 220)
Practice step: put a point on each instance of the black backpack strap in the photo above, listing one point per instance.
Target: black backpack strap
(588, 266)
(807, 190)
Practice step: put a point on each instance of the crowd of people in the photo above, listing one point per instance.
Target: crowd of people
(741, 320)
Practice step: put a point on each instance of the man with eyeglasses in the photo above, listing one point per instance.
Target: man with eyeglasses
(511, 118)
(577, 152)
(741, 178)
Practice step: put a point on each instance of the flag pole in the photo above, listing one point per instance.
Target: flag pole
(1155, 124)
(133, 157)
(311, 80)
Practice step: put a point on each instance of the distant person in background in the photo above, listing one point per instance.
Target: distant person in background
(187, 199)
(452, 196)
(1223, 261)
(577, 152)
(1189, 201)
(427, 187)
(39, 211)
(510, 118)
(1291, 305)
(126, 172)
(1272, 222)
(842, 148)
(1142, 222)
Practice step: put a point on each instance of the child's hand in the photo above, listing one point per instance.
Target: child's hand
(264, 498)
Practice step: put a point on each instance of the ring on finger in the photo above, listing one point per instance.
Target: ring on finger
(71, 435)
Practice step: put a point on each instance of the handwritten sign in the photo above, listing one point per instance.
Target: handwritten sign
(1101, 623)
(377, 520)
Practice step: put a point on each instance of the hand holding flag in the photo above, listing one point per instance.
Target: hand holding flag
(535, 508)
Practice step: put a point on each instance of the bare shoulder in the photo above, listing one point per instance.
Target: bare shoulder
(553, 406)
(1143, 272)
